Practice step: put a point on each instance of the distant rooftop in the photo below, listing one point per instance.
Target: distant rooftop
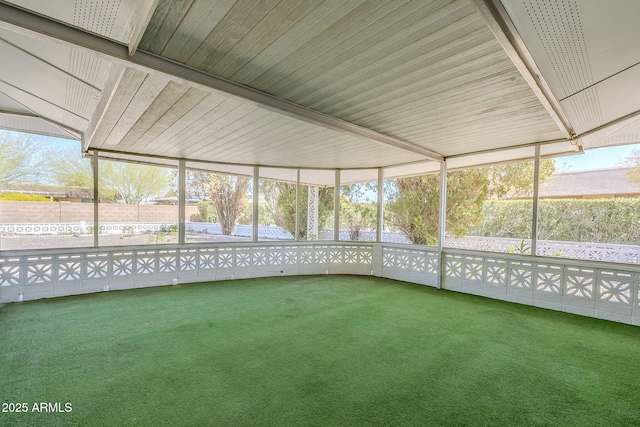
(47, 190)
(590, 183)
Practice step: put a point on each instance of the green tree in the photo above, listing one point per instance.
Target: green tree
(281, 202)
(514, 180)
(133, 183)
(632, 160)
(117, 181)
(413, 203)
(21, 157)
(412, 207)
(466, 192)
(357, 212)
(325, 209)
(207, 211)
(227, 193)
(69, 168)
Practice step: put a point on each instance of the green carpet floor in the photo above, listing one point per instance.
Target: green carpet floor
(313, 351)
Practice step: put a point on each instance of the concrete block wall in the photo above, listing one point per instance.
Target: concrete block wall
(16, 212)
(108, 212)
(75, 212)
(35, 212)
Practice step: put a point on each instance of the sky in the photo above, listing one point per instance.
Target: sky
(598, 158)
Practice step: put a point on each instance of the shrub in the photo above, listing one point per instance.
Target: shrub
(19, 197)
(578, 220)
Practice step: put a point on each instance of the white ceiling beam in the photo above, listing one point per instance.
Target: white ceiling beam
(115, 76)
(504, 30)
(610, 124)
(30, 97)
(63, 129)
(49, 64)
(140, 26)
(24, 21)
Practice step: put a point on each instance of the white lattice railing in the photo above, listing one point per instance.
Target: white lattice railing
(591, 289)
(52, 273)
(602, 291)
(587, 288)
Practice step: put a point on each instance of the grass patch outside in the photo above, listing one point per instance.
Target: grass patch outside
(314, 350)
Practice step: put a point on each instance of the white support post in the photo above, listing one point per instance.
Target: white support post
(313, 195)
(536, 187)
(182, 201)
(442, 224)
(297, 230)
(336, 207)
(380, 211)
(96, 200)
(255, 198)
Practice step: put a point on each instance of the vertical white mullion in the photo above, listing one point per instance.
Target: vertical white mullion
(96, 200)
(442, 223)
(380, 210)
(297, 230)
(254, 198)
(336, 207)
(536, 187)
(182, 201)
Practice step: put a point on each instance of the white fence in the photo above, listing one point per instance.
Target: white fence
(83, 227)
(366, 236)
(264, 231)
(53, 273)
(585, 288)
(597, 290)
(624, 254)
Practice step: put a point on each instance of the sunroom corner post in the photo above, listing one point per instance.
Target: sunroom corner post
(182, 201)
(536, 188)
(297, 227)
(255, 195)
(96, 199)
(336, 207)
(313, 194)
(442, 224)
(380, 206)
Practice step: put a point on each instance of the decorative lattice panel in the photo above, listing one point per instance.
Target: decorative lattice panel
(598, 290)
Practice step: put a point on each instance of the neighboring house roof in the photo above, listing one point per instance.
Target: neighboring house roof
(48, 190)
(590, 183)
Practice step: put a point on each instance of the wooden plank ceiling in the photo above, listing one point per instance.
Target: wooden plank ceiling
(183, 122)
(427, 72)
